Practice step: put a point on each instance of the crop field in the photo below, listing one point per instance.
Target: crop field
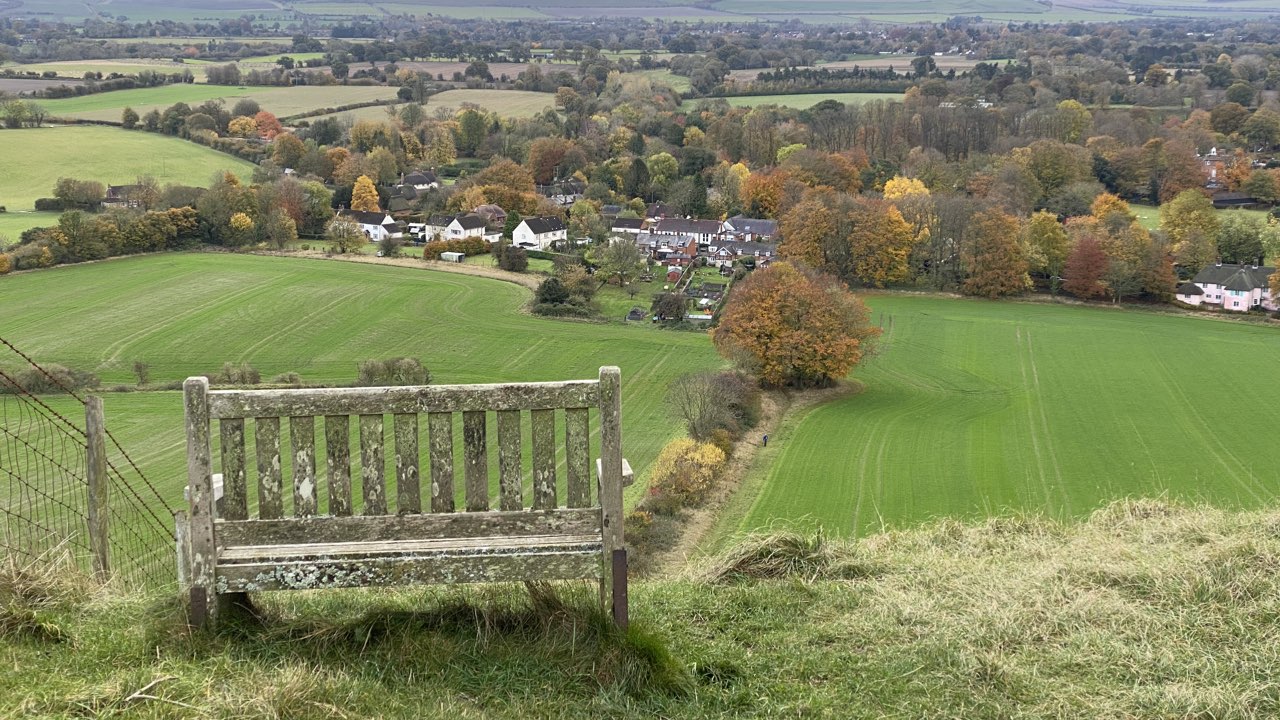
(13, 223)
(187, 314)
(34, 160)
(124, 66)
(282, 101)
(799, 101)
(975, 408)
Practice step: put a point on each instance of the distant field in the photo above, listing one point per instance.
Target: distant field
(125, 66)
(973, 408)
(679, 83)
(507, 103)
(282, 101)
(799, 102)
(188, 313)
(108, 155)
(13, 223)
(1149, 215)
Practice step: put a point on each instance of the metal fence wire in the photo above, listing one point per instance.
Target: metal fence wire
(44, 482)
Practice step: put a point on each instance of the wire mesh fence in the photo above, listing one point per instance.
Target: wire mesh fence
(45, 479)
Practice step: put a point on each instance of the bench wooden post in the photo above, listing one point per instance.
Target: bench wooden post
(615, 569)
(203, 551)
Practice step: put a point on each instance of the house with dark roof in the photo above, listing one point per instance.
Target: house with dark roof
(726, 253)
(750, 229)
(1238, 288)
(375, 225)
(122, 196)
(422, 180)
(703, 230)
(657, 211)
(538, 233)
(493, 214)
(455, 227)
(627, 226)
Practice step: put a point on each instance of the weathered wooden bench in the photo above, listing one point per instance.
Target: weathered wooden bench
(302, 539)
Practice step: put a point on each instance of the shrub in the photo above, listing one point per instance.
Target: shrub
(50, 205)
(722, 440)
(34, 381)
(552, 292)
(711, 401)
(142, 370)
(288, 378)
(232, 374)
(685, 470)
(6, 263)
(392, 371)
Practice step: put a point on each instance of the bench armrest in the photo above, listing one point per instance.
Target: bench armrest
(628, 476)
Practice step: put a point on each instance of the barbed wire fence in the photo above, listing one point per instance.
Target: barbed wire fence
(61, 494)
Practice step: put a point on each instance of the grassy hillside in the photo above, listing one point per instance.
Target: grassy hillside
(106, 154)
(1144, 611)
(972, 408)
(188, 314)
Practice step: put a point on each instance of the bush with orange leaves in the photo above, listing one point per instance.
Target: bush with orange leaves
(793, 326)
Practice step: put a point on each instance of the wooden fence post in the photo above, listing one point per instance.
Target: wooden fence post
(99, 485)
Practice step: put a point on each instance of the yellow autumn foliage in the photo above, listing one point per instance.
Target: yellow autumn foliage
(685, 470)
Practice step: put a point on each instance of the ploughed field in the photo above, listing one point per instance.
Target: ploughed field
(973, 408)
(187, 314)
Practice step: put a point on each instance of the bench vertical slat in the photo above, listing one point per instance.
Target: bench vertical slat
(577, 455)
(511, 497)
(544, 458)
(611, 488)
(373, 464)
(302, 436)
(267, 445)
(235, 501)
(200, 486)
(440, 427)
(475, 460)
(408, 489)
(337, 445)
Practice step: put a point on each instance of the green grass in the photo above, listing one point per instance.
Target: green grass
(108, 155)
(13, 223)
(679, 83)
(1149, 215)
(186, 314)
(976, 408)
(1146, 611)
(282, 101)
(124, 66)
(799, 102)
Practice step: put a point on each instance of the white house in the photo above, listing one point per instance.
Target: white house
(375, 225)
(421, 180)
(455, 227)
(538, 233)
(629, 226)
(1238, 288)
(703, 230)
(749, 229)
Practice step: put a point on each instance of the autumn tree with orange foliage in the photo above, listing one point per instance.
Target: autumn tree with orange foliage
(1085, 267)
(794, 327)
(763, 193)
(268, 126)
(994, 257)
(861, 240)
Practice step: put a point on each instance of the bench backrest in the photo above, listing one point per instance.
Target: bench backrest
(301, 415)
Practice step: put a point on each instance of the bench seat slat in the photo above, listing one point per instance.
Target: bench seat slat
(549, 564)
(362, 528)
(407, 548)
(410, 399)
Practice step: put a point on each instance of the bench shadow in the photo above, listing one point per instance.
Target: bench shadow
(448, 636)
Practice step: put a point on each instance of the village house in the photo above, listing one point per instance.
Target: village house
(538, 233)
(122, 196)
(727, 253)
(421, 180)
(455, 227)
(627, 226)
(703, 230)
(492, 214)
(657, 211)
(1238, 288)
(749, 229)
(376, 226)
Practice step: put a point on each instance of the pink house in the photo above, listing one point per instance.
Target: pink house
(1238, 288)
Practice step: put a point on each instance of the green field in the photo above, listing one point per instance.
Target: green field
(108, 155)
(506, 103)
(1149, 215)
(186, 314)
(799, 102)
(974, 408)
(283, 101)
(13, 223)
(124, 66)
